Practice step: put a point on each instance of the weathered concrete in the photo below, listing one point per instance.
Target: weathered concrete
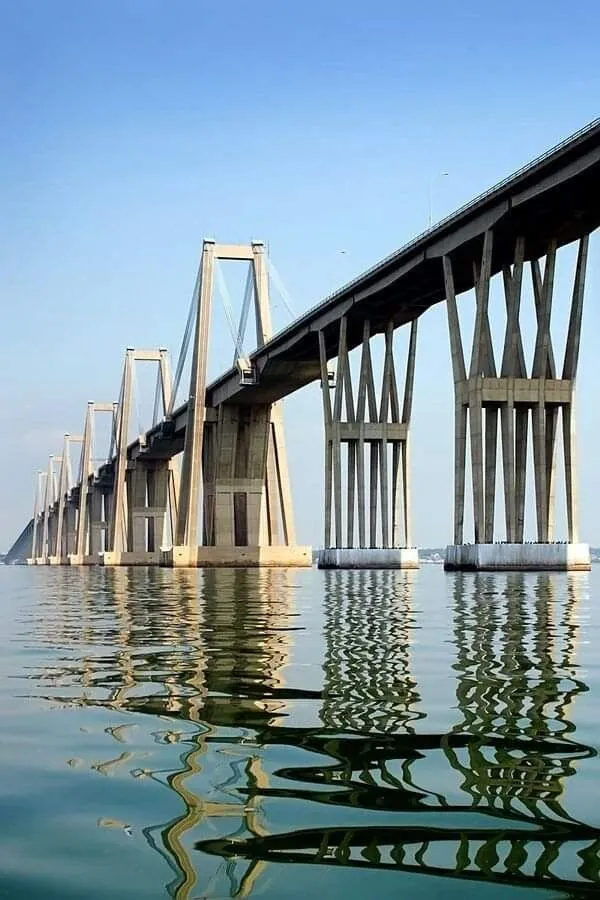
(91, 559)
(514, 557)
(77, 559)
(130, 558)
(215, 557)
(352, 558)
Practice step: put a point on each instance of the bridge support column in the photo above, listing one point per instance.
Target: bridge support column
(142, 488)
(234, 457)
(147, 490)
(53, 558)
(69, 539)
(47, 525)
(525, 402)
(87, 505)
(36, 536)
(99, 502)
(377, 439)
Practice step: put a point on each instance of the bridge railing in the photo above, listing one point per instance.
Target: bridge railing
(471, 204)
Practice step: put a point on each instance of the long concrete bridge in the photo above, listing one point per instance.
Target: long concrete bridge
(208, 484)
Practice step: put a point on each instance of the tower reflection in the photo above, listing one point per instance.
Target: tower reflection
(202, 656)
(203, 652)
(368, 684)
(501, 817)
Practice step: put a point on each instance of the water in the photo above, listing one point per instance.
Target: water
(276, 733)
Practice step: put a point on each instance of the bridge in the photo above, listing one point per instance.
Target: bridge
(208, 483)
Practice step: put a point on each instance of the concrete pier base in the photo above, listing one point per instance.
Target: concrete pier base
(350, 558)
(130, 558)
(215, 557)
(78, 559)
(518, 557)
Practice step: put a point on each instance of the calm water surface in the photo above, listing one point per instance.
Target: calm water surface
(238, 733)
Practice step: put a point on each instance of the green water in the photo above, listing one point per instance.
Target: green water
(279, 733)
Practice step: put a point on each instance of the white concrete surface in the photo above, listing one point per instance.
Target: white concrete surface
(514, 557)
(352, 558)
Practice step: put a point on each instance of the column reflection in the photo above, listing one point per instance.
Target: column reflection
(203, 653)
(501, 817)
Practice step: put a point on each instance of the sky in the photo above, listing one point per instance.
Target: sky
(132, 129)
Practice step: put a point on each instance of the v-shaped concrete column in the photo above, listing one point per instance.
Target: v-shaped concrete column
(527, 402)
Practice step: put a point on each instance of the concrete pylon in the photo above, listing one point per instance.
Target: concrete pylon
(90, 524)
(45, 534)
(145, 489)
(63, 538)
(234, 454)
(526, 400)
(36, 538)
(378, 425)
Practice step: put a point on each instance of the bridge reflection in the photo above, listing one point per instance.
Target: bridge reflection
(502, 818)
(202, 651)
(205, 653)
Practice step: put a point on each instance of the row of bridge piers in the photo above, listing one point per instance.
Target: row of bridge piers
(209, 485)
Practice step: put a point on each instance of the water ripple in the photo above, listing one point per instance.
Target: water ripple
(202, 732)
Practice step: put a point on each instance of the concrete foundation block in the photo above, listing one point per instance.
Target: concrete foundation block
(92, 559)
(351, 558)
(109, 558)
(518, 557)
(130, 558)
(231, 557)
(74, 559)
(178, 557)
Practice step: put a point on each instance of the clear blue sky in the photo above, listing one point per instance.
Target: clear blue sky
(131, 129)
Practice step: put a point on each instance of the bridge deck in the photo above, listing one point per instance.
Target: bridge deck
(555, 196)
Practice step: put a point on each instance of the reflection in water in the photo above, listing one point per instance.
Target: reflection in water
(209, 650)
(512, 749)
(370, 783)
(368, 626)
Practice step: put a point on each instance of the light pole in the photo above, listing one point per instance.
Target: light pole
(431, 180)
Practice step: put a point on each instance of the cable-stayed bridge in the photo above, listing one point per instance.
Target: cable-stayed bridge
(208, 483)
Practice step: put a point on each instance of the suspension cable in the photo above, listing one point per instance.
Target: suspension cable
(185, 343)
(136, 396)
(115, 419)
(226, 298)
(281, 288)
(248, 295)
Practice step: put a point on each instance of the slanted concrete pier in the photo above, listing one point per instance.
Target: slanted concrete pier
(518, 557)
(368, 493)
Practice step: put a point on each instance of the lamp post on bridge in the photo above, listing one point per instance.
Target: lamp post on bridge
(430, 195)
